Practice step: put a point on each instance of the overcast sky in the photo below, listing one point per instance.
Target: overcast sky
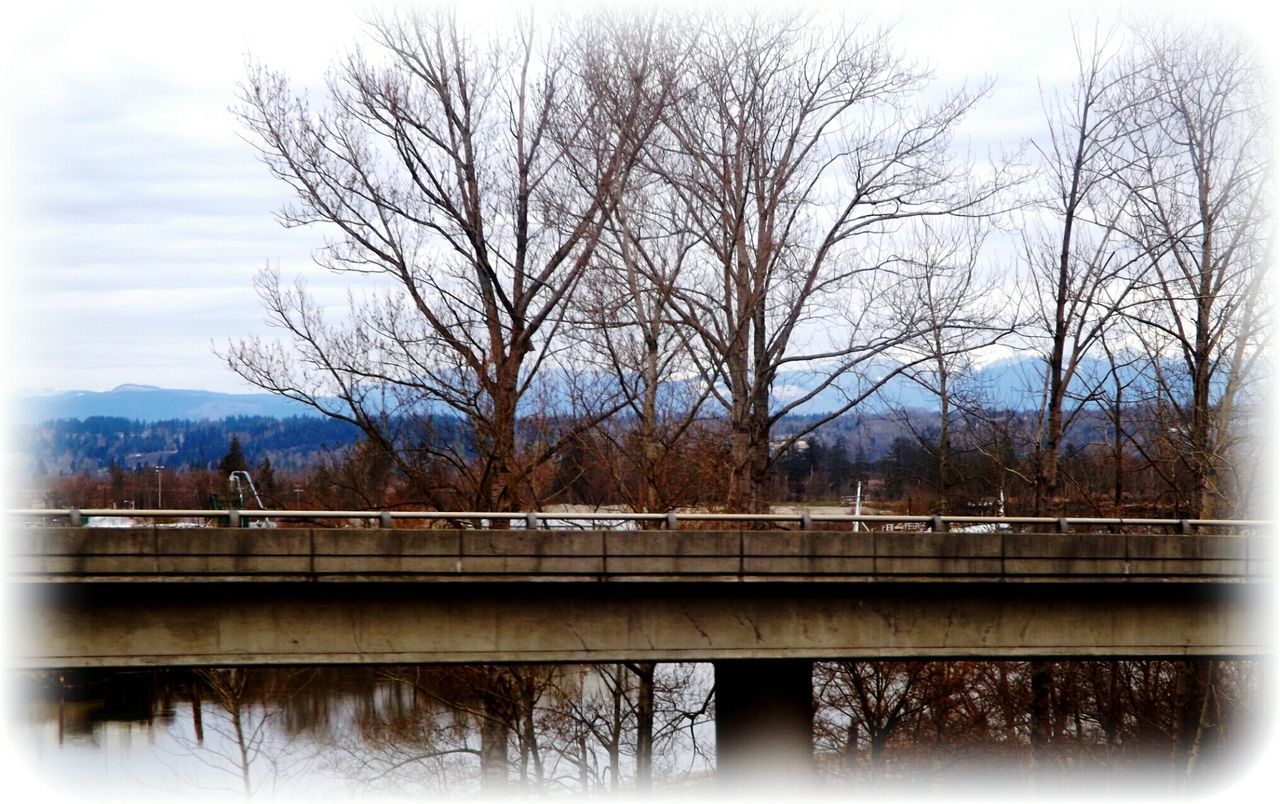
(135, 216)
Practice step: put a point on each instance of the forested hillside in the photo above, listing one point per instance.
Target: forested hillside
(71, 446)
(895, 455)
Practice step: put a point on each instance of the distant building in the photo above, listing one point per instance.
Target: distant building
(800, 445)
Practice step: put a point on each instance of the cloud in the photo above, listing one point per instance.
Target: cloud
(784, 392)
(138, 215)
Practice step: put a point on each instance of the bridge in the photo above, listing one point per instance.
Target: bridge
(760, 604)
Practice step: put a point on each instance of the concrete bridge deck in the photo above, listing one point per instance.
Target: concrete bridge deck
(158, 596)
(154, 554)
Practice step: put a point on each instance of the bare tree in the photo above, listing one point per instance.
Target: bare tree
(1121, 377)
(865, 704)
(1198, 147)
(627, 318)
(1080, 270)
(797, 150)
(1079, 281)
(961, 310)
(472, 179)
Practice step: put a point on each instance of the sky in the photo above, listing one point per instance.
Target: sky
(135, 215)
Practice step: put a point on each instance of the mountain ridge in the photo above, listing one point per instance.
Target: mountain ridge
(1010, 383)
(150, 403)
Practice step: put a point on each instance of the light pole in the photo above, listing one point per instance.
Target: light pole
(159, 487)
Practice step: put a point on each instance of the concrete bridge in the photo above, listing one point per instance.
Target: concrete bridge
(164, 596)
(759, 604)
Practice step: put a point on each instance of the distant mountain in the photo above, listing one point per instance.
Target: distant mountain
(149, 403)
(1013, 383)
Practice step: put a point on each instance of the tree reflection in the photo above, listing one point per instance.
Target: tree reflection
(533, 730)
(1105, 720)
(237, 735)
(525, 729)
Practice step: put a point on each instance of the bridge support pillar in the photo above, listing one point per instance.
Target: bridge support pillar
(764, 722)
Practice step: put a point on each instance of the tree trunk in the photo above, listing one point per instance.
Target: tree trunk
(237, 725)
(197, 717)
(1041, 709)
(759, 458)
(1117, 450)
(584, 776)
(1047, 470)
(878, 740)
(851, 746)
(529, 734)
(1201, 449)
(495, 731)
(644, 726)
(1195, 679)
(1047, 476)
(740, 452)
(1113, 708)
(615, 729)
(944, 439)
(503, 495)
(762, 383)
(1202, 717)
(651, 450)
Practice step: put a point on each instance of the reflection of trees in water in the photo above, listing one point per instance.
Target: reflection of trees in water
(524, 728)
(234, 713)
(607, 722)
(401, 736)
(1107, 719)
(232, 738)
(79, 703)
(537, 729)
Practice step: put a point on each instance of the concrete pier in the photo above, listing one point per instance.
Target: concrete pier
(764, 723)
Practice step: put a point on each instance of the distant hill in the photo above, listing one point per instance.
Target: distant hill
(133, 425)
(149, 403)
(1012, 383)
(66, 446)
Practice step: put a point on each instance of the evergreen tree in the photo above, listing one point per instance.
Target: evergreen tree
(117, 476)
(265, 479)
(234, 460)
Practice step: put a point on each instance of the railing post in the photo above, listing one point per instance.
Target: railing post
(73, 516)
(672, 522)
(1063, 527)
(384, 520)
(531, 521)
(806, 521)
(1184, 527)
(233, 518)
(938, 525)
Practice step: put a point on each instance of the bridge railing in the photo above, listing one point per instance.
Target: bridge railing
(174, 517)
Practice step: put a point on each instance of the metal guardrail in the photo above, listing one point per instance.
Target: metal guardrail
(671, 521)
